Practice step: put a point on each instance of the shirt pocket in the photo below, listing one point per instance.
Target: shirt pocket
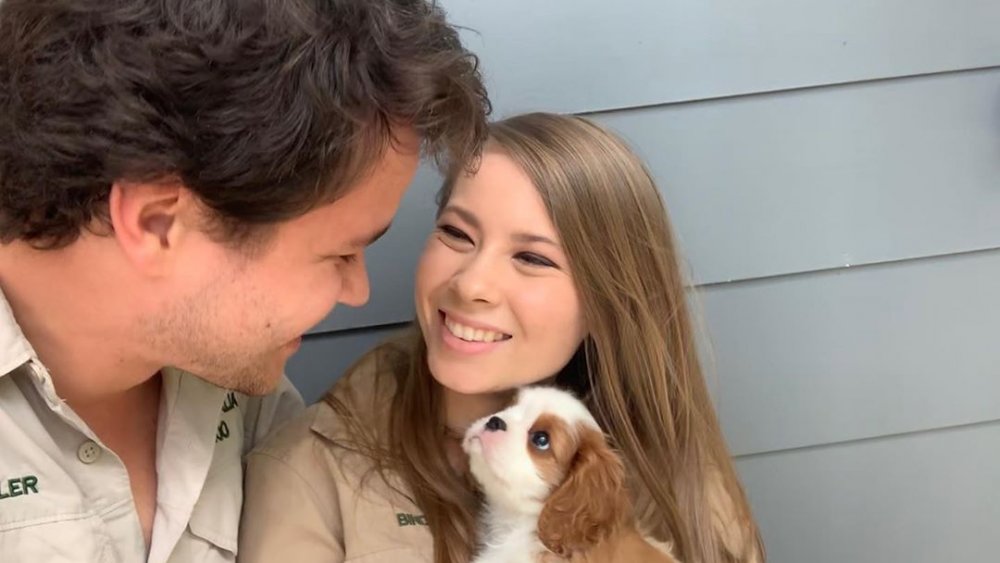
(215, 521)
(395, 555)
(70, 539)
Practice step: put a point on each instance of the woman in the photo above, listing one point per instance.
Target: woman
(554, 262)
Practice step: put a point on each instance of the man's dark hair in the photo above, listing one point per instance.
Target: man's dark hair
(265, 109)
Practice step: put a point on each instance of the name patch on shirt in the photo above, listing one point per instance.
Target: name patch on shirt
(230, 403)
(405, 519)
(10, 488)
(222, 432)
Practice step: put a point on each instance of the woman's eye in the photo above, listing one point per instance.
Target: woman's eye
(532, 259)
(540, 440)
(454, 233)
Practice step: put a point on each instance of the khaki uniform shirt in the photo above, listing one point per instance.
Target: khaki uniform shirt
(310, 500)
(65, 497)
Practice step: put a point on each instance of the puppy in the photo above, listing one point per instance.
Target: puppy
(555, 492)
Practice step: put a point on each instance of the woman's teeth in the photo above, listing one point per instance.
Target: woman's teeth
(473, 334)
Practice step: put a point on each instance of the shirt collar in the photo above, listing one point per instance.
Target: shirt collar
(15, 350)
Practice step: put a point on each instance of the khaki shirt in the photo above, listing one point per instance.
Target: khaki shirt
(308, 499)
(65, 497)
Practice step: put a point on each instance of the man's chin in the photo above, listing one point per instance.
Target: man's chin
(254, 383)
(261, 384)
(259, 390)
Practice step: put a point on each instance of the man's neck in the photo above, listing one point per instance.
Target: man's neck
(78, 322)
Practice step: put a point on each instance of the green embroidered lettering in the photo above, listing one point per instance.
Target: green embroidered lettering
(18, 486)
(405, 519)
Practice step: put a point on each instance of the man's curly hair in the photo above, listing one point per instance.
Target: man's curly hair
(264, 109)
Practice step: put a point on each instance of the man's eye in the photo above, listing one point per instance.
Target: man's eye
(540, 440)
(349, 258)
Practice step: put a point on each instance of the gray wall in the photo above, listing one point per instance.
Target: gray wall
(833, 171)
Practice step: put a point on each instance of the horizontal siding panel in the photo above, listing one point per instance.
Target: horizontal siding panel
(816, 179)
(925, 498)
(587, 55)
(784, 183)
(851, 354)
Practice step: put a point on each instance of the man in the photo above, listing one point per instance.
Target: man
(186, 187)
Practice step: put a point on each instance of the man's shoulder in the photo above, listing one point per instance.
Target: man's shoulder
(257, 415)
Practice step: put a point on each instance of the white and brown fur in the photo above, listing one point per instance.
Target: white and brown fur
(563, 503)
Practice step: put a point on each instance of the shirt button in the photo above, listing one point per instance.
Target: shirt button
(89, 452)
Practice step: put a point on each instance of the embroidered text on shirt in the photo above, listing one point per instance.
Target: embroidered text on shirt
(230, 403)
(19, 486)
(410, 519)
(222, 432)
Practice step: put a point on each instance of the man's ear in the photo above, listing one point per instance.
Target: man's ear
(149, 219)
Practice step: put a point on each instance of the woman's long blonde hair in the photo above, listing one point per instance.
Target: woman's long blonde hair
(638, 368)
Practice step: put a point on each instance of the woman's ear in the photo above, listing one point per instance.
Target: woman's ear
(590, 503)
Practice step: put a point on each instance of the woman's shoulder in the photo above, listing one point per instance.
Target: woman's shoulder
(360, 399)
(365, 393)
(296, 443)
(372, 377)
(733, 528)
(317, 477)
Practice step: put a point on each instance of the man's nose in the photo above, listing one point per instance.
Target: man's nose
(496, 424)
(355, 289)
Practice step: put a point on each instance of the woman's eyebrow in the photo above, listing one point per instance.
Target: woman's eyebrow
(529, 237)
(464, 213)
(471, 219)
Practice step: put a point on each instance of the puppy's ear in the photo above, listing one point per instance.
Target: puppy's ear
(590, 503)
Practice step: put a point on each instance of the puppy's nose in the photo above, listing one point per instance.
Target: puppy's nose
(496, 424)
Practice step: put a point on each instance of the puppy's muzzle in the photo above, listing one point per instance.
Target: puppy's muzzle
(496, 424)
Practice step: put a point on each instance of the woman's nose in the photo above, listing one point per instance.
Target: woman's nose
(477, 282)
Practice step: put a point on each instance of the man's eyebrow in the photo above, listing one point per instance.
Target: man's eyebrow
(368, 240)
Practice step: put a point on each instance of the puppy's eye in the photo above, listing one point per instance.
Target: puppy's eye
(540, 440)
